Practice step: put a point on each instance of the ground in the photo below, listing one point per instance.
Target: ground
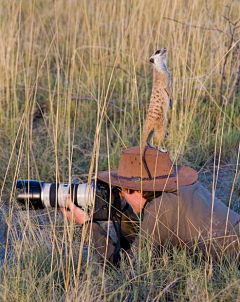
(224, 190)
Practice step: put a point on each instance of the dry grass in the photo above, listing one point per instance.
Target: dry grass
(75, 81)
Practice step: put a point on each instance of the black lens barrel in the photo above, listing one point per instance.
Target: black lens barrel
(53, 192)
(73, 191)
(30, 196)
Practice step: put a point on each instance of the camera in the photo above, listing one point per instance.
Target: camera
(99, 196)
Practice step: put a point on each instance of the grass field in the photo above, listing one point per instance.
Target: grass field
(75, 83)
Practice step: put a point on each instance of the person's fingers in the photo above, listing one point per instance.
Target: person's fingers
(64, 211)
(75, 215)
(67, 214)
(69, 204)
(82, 215)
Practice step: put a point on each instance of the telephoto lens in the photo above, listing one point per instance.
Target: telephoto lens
(40, 194)
(35, 194)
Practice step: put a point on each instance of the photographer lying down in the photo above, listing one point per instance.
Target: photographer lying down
(171, 206)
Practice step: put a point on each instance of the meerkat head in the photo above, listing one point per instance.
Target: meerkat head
(159, 58)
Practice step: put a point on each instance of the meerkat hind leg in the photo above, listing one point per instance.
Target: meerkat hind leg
(160, 136)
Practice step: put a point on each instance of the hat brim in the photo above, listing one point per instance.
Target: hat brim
(184, 176)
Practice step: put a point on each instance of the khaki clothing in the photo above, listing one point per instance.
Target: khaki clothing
(183, 218)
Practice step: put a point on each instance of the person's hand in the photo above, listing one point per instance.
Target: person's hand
(136, 200)
(74, 213)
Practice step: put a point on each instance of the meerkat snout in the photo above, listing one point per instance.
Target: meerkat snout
(163, 50)
(159, 58)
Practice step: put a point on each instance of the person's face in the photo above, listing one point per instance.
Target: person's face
(134, 198)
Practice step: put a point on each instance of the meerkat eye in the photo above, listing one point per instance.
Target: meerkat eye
(157, 52)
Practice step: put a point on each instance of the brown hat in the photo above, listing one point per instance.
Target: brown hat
(155, 172)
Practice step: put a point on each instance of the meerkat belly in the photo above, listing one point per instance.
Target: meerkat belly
(158, 109)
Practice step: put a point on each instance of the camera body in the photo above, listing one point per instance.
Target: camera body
(103, 200)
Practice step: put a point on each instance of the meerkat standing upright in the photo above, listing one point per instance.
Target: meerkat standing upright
(160, 101)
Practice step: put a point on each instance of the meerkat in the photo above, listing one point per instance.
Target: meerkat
(160, 101)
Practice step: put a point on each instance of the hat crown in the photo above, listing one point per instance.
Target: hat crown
(132, 172)
(131, 165)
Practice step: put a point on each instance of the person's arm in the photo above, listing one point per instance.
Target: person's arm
(159, 220)
(74, 213)
(102, 244)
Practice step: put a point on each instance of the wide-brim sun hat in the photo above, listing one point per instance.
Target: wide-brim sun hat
(151, 171)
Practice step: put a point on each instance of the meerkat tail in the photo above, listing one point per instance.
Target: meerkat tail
(150, 135)
(147, 136)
